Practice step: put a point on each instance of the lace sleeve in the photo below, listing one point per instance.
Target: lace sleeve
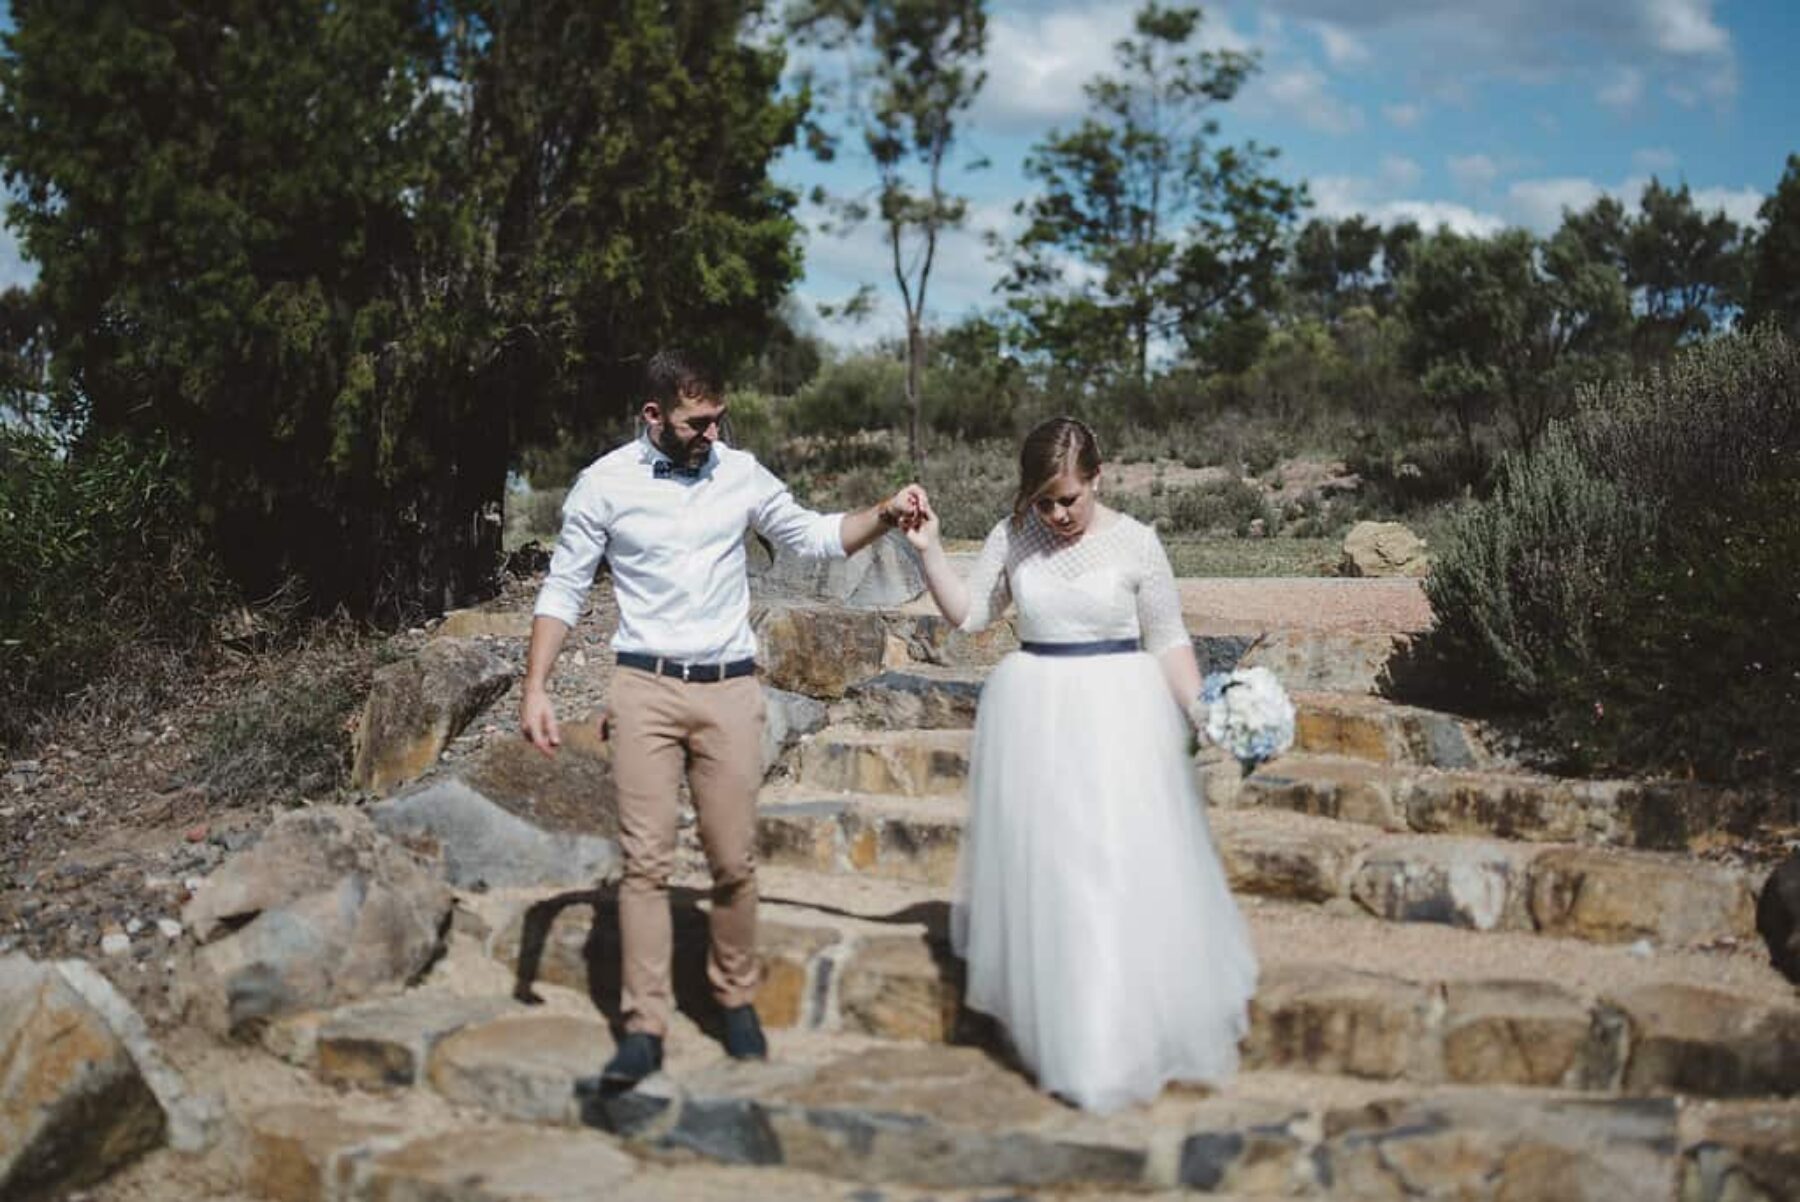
(989, 591)
(1158, 600)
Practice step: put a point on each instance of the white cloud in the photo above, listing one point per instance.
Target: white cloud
(1473, 172)
(1342, 48)
(1340, 196)
(1539, 203)
(1740, 204)
(1654, 159)
(1405, 116)
(1303, 92)
(1040, 56)
(1677, 45)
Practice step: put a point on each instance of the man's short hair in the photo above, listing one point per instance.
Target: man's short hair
(673, 376)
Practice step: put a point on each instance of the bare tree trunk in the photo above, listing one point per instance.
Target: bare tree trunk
(915, 400)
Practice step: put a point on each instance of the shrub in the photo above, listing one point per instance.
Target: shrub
(1228, 505)
(102, 568)
(1624, 582)
(285, 732)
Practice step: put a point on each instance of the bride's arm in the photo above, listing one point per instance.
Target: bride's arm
(968, 606)
(1159, 619)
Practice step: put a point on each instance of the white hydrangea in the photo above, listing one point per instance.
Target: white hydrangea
(1248, 713)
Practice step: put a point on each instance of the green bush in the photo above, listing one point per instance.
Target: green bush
(852, 396)
(102, 568)
(1226, 506)
(1699, 657)
(1628, 591)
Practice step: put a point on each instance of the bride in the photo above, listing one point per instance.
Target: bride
(1090, 905)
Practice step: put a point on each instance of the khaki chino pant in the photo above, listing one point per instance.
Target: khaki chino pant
(662, 726)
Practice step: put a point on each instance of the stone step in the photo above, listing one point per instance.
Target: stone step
(905, 1116)
(1659, 815)
(1600, 894)
(908, 763)
(1424, 1004)
(1364, 727)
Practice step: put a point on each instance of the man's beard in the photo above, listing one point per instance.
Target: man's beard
(682, 454)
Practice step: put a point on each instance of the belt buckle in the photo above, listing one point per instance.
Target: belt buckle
(684, 671)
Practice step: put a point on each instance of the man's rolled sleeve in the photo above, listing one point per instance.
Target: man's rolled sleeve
(801, 530)
(579, 548)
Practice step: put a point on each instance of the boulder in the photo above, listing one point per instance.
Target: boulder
(484, 846)
(1383, 549)
(323, 910)
(1778, 917)
(418, 705)
(883, 575)
(790, 717)
(483, 624)
(74, 1105)
(818, 651)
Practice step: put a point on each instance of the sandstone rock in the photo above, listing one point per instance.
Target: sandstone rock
(1334, 1020)
(1615, 897)
(817, 651)
(804, 834)
(790, 716)
(1539, 809)
(568, 792)
(323, 910)
(388, 1042)
(484, 846)
(904, 763)
(480, 624)
(1695, 1040)
(896, 987)
(883, 575)
(521, 1066)
(417, 706)
(505, 1163)
(793, 975)
(290, 1151)
(1294, 863)
(1504, 1150)
(1326, 662)
(902, 700)
(73, 1104)
(1524, 1033)
(1344, 789)
(1473, 885)
(193, 1118)
(1778, 917)
(930, 639)
(1744, 1153)
(1383, 549)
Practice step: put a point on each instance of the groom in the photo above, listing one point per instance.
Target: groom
(668, 512)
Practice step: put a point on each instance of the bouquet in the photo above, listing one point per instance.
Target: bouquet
(1246, 712)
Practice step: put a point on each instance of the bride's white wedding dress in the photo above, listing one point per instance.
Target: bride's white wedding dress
(1091, 907)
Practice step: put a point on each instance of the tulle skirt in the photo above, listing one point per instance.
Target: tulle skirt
(1091, 907)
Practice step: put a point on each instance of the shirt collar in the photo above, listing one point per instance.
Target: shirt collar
(650, 454)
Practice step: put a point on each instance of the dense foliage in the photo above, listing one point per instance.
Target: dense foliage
(344, 258)
(1629, 587)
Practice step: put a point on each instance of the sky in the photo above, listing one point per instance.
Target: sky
(1476, 114)
(1479, 114)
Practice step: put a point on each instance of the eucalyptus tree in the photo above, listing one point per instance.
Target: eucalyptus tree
(1144, 229)
(914, 71)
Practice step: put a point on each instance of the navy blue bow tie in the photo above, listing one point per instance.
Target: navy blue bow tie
(662, 469)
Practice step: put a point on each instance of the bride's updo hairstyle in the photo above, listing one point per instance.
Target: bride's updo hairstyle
(1056, 446)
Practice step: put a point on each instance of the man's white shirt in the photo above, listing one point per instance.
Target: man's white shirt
(676, 546)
